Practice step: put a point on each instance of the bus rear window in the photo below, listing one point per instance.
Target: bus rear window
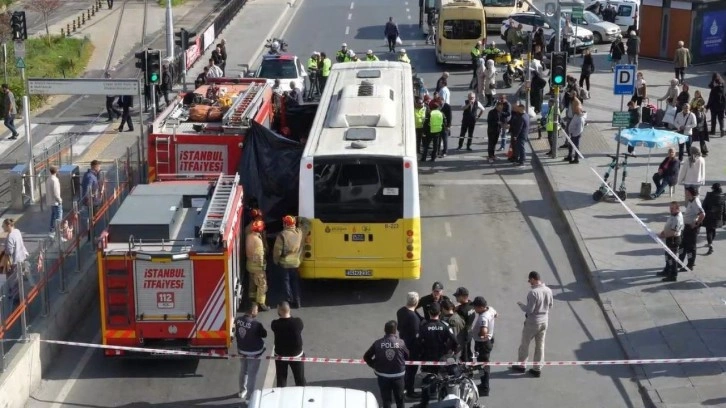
(358, 189)
(462, 29)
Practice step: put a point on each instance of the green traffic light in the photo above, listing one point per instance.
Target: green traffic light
(154, 77)
(559, 79)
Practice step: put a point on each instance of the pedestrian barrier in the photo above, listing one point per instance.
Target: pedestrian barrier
(358, 361)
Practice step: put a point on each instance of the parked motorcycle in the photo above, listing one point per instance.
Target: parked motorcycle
(276, 46)
(452, 387)
(514, 71)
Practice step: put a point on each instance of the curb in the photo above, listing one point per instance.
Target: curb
(647, 392)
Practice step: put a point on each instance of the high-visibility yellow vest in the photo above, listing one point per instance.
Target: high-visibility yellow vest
(550, 126)
(371, 58)
(327, 63)
(420, 116)
(312, 64)
(404, 58)
(436, 122)
(341, 55)
(475, 53)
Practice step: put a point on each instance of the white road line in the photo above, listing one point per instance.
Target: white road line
(347, 30)
(53, 137)
(350, 16)
(481, 182)
(351, 5)
(6, 144)
(270, 374)
(71, 381)
(453, 269)
(85, 141)
(405, 3)
(447, 228)
(408, 10)
(409, 17)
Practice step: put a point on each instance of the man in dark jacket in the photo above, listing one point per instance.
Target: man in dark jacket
(465, 309)
(387, 357)
(126, 102)
(716, 103)
(409, 323)
(288, 343)
(436, 341)
(165, 87)
(250, 336)
(667, 174)
(714, 205)
(494, 129)
(436, 297)
(391, 33)
(519, 128)
(633, 48)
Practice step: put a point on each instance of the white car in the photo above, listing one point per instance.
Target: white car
(578, 40)
(602, 31)
(285, 67)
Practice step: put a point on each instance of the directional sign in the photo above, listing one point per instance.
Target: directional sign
(19, 63)
(624, 80)
(550, 8)
(621, 119)
(41, 86)
(578, 12)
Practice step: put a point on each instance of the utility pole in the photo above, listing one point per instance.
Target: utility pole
(169, 31)
(19, 29)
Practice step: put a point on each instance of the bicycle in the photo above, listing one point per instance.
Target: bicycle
(601, 192)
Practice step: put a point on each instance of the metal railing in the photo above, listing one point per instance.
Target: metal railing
(47, 272)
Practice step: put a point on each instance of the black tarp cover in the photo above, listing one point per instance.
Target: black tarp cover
(270, 172)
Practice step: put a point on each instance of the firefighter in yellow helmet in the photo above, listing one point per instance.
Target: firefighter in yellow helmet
(402, 56)
(256, 262)
(370, 56)
(287, 252)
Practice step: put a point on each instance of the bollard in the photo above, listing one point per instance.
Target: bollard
(88, 14)
(21, 292)
(61, 257)
(74, 26)
(76, 229)
(62, 33)
(45, 307)
(83, 18)
(93, 10)
(2, 330)
(68, 29)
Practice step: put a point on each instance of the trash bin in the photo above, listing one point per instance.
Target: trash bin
(19, 186)
(70, 184)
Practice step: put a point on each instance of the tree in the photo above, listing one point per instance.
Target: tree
(46, 8)
(6, 33)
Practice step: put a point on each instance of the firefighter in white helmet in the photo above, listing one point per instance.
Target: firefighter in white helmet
(256, 262)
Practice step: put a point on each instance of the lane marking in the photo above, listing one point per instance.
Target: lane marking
(453, 269)
(350, 16)
(347, 30)
(408, 10)
(447, 228)
(409, 17)
(54, 137)
(270, 374)
(351, 5)
(71, 381)
(84, 142)
(6, 143)
(481, 182)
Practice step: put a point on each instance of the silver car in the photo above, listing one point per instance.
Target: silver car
(603, 31)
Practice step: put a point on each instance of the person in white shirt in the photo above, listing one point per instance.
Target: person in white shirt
(214, 70)
(684, 123)
(445, 94)
(482, 332)
(16, 254)
(693, 171)
(53, 198)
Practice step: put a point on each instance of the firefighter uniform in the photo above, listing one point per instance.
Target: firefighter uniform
(434, 127)
(419, 115)
(287, 252)
(256, 262)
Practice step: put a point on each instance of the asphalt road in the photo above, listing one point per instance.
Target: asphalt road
(484, 227)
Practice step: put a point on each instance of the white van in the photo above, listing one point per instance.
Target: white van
(628, 12)
(312, 397)
(499, 10)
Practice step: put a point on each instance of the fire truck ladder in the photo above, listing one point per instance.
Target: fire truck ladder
(162, 145)
(216, 218)
(244, 105)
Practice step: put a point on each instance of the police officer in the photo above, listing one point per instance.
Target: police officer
(465, 309)
(434, 127)
(483, 335)
(250, 336)
(342, 53)
(692, 220)
(286, 253)
(436, 341)
(313, 71)
(491, 51)
(420, 113)
(351, 57)
(403, 57)
(436, 296)
(475, 54)
(387, 357)
(256, 262)
(370, 56)
(325, 65)
(672, 235)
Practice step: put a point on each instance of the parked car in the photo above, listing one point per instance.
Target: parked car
(602, 31)
(627, 12)
(577, 40)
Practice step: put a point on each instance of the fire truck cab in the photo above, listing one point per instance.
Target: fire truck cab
(169, 266)
(203, 131)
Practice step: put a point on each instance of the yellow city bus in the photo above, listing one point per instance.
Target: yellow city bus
(359, 177)
(461, 24)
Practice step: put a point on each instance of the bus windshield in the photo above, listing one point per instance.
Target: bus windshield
(349, 189)
(498, 3)
(278, 69)
(462, 29)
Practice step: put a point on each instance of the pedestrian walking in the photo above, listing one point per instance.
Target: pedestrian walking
(641, 91)
(53, 198)
(714, 205)
(109, 3)
(250, 335)
(126, 102)
(693, 171)
(667, 174)
(504, 117)
(409, 322)
(588, 67)
(288, 343)
(436, 297)
(494, 129)
(617, 50)
(166, 84)
(287, 253)
(391, 32)
(257, 263)
(471, 112)
(9, 111)
(483, 335)
(692, 218)
(699, 134)
(684, 123)
(633, 50)
(16, 254)
(92, 186)
(431, 21)
(536, 318)
(671, 233)
(387, 357)
(519, 129)
(716, 103)
(681, 60)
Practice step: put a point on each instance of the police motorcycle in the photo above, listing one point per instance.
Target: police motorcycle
(276, 46)
(453, 386)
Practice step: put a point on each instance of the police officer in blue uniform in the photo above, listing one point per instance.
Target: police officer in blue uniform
(436, 341)
(387, 357)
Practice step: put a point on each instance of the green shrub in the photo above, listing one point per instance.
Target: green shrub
(174, 3)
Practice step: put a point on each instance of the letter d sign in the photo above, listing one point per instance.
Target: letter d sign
(624, 80)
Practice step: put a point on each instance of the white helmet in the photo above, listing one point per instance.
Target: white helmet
(402, 51)
(369, 52)
(351, 53)
(275, 46)
(344, 45)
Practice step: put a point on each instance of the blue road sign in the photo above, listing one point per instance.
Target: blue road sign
(624, 80)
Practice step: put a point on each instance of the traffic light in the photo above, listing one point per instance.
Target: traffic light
(153, 66)
(183, 38)
(141, 60)
(559, 68)
(19, 26)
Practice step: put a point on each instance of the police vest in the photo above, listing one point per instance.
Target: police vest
(420, 116)
(312, 64)
(550, 126)
(436, 122)
(341, 55)
(475, 53)
(325, 71)
(404, 58)
(371, 58)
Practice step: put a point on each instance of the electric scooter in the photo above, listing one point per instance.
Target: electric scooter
(621, 192)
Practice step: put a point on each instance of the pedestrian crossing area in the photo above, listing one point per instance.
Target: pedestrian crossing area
(48, 137)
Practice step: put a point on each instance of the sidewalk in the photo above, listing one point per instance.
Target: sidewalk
(651, 319)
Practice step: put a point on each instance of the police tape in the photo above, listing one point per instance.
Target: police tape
(357, 361)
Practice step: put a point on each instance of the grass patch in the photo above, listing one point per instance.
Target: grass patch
(57, 58)
(174, 3)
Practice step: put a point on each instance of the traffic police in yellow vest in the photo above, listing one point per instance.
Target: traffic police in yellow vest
(287, 252)
(550, 127)
(370, 56)
(475, 55)
(313, 67)
(402, 56)
(351, 57)
(256, 264)
(421, 111)
(434, 126)
(325, 66)
(342, 53)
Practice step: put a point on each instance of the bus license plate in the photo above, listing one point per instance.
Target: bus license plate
(359, 237)
(358, 272)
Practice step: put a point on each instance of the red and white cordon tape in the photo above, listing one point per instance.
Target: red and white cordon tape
(326, 360)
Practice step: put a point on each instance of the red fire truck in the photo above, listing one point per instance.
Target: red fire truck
(200, 135)
(169, 268)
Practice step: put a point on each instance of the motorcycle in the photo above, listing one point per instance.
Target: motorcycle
(514, 71)
(452, 387)
(276, 46)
